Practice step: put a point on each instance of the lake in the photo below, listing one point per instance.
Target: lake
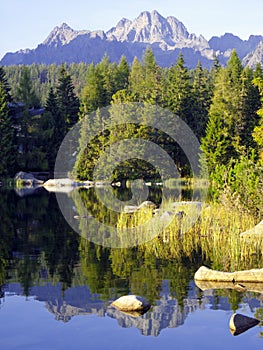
(56, 288)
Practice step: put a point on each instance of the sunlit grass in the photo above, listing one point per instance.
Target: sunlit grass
(212, 233)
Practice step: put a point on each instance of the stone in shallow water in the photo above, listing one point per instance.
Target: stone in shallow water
(133, 303)
(241, 323)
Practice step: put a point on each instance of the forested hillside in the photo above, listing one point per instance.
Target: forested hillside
(223, 106)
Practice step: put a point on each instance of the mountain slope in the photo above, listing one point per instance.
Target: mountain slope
(254, 57)
(166, 36)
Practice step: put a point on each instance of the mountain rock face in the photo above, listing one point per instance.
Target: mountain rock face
(152, 28)
(166, 36)
(254, 57)
(62, 36)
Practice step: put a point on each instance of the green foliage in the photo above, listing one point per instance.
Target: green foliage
(228, 142)
(25, 90)
(240, 182)
(5, 84)
(68, 102)
(7, 137)
(178, 93)
(202, 92)
(222, 107)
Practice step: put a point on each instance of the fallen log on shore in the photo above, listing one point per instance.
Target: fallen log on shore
(206, 274)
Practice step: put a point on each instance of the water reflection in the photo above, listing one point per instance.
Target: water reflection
(41, 256)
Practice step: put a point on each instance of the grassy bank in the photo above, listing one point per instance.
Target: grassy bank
(214, 236)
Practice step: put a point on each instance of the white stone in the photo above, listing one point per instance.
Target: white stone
(131, 303)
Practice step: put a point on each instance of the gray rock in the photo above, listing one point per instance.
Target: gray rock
(240, 323)
(27, 179)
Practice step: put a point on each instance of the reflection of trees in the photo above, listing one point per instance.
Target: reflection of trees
(7, 230)
(37, 245)
(60, 244)
(97, 272)
(33, 227)
(259, 315)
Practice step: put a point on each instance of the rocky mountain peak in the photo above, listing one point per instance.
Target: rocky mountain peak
(149, 27)
(62, 35)
(254, 57)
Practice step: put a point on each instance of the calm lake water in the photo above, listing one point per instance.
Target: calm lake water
(56, 288)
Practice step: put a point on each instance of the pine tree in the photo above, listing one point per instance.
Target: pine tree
(27, 137)
(91, 97)
(67, 100)
(137, 81)
(26, 93)
(201, 101)
(232, 115)
(123, 72)
(152, 79)
(53, 128)
(7, 136)
(5, 84)
(179, 94)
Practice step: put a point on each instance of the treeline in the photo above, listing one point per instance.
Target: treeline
(222, 106)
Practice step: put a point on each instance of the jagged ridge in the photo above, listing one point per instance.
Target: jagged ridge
(167, 37)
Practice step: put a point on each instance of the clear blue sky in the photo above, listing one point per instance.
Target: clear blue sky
(26, 23)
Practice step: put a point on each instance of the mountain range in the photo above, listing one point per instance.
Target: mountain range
(166, 36)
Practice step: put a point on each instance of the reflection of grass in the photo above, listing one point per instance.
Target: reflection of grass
(186, 183)
(215, 236)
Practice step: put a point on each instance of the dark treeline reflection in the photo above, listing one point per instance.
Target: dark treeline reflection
(38, 246)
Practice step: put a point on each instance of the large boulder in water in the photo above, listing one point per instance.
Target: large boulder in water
(131, 303)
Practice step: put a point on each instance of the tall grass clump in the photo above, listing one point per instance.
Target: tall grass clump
(211, 234)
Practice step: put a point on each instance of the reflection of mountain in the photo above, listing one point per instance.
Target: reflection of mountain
(75, 301)
(166, 313)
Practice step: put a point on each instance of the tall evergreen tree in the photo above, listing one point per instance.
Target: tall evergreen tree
(91, 97)
(25, 92)
(67, 100)
(53, 128)
(179, 94)
(136, 81)
(7, 145)
(152, 79)
(232, 115)
(201, 101)
(27, 136)
(123, 72)
(5, 84)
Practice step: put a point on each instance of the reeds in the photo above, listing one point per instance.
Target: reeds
(212, 234)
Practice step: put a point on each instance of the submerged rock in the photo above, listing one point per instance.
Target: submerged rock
(132, 303)
(240, 323)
